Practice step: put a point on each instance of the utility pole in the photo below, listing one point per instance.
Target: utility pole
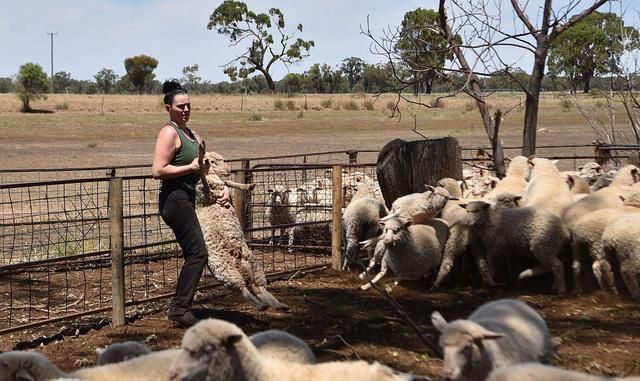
(52, 34)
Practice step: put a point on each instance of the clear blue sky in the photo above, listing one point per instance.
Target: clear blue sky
(95, 34)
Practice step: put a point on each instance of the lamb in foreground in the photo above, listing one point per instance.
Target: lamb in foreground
(360, 222)
(216, 350)
(283, 345)
(118, 352)
(230, 259)
(539, 372)
(33, 366)
(497, 334)
(620, 240)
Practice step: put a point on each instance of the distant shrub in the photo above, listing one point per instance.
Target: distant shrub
(336, 106)
(566, 104)
(300, 114)
(391, 105)
(368, 105)
(469, 106)
(291, 105)
(437, 103)
(316, 108)
(351, 105)
(254, 117)
(278, 105)
(326, 103)
(305, 105)
(599, 104)
(62, 106)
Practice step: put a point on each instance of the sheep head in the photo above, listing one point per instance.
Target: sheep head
(394, 230)
(27, 366)
(211, 350)
(217, 164)
(478, 212)
(461, 342)
(484, 185)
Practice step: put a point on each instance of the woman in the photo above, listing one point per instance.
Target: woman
(175, 162)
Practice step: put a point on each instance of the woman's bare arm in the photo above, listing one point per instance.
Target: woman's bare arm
(163, 153)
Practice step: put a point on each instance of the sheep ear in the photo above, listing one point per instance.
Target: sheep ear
(580, 167)
(494, 183)
(231, 340)
(516, 200)
(571, 181)
(486, 206)
(463, 206)
(438, 321)
(428, 187)
(99, 351)
(23, 375)
(621, 198)
(485, 334)
(408, 222)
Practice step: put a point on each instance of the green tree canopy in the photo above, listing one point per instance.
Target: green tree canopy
(140, 70)
(234, 20)
(592, 47)
(422, 47)
(61, 82)
(191, 76)
(106, 79)
(32, 83)
(352, 67)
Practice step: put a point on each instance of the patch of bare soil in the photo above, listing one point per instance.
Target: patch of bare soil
(598, 333)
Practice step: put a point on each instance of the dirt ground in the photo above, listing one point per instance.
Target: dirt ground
(598, 333)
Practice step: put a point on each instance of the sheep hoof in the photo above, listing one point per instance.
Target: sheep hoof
(365, 287)
(362, 275)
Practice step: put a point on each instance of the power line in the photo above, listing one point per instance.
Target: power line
(52, 34)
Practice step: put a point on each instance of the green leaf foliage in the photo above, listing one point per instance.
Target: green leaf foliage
(140, 70)
(32, 83)
(105, 79)
(592, 47)
(422, 47)
(255, 31)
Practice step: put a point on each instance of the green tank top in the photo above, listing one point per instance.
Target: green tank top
(185, 155)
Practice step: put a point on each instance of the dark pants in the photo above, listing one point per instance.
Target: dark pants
(177, 208)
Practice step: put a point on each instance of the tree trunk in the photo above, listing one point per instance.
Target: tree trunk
(586, 78)
(532, 101)
(405, 167)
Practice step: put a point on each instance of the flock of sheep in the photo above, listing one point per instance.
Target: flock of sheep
(536, 212)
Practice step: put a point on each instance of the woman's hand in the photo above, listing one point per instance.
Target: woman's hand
(223, 197)
(197, 169)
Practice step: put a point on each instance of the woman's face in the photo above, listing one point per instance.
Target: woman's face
(180, 109)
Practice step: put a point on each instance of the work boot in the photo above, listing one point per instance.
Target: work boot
(185, 320)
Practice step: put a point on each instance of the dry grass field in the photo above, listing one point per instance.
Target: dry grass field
(85, 130)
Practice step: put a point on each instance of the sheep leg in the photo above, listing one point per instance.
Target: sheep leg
(269, 299)
(380, 275)
(350, 254)
(253, 300)
(292, 233)
(578, 256)
(603, 273)
(629, 277)
(375, 259)
(485, 273)
(456, 245)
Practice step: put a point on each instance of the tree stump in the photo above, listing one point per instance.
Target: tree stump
(405, 167)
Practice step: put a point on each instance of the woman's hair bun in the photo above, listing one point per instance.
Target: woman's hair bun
(170, 85)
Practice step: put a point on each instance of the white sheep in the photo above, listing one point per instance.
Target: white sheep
(514, 181)
(609, 197)
(311, 220)
(33, 366)
(528, 232)
(451, 212)
(540, 372)
(283, 345)
(216, 350)
(118, 352)
(359, 223)
(229, 257)
(546, 188)
(621, 240)
(586, 235)
(419, 207)
(410, 250)
(482, 186)
(497, 334)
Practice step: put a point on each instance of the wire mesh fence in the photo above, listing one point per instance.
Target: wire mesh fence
(54, 233)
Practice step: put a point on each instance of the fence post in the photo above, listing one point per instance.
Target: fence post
(117, 251)
(353, 156)
(336, 218)
(240, 197)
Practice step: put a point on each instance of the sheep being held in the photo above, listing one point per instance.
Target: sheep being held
(360, 222)
(420, 207)
(497, 334)
(230, 259)
(410, 250)
(529, 232)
